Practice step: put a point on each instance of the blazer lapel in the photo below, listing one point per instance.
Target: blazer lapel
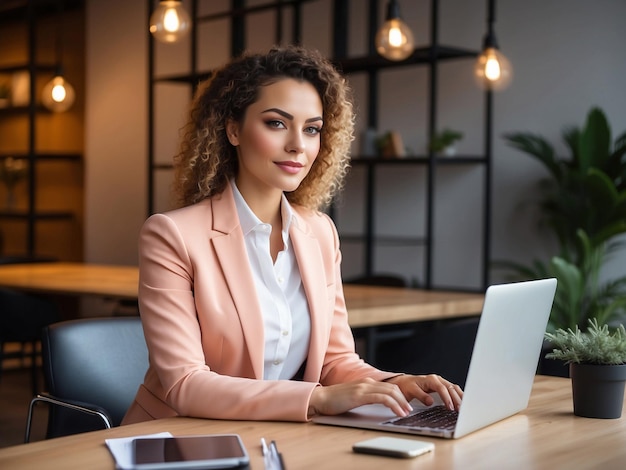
(231, 252)
(309, 257)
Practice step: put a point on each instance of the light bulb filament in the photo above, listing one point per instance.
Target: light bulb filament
(492, 68)
(58, 93)
(171, 22)
(396, 38)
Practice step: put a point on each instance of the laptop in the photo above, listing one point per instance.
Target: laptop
(501, 372)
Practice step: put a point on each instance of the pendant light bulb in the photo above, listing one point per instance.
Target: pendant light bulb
(394, 39)
(492, 70)
(170, 21)
(58, 95)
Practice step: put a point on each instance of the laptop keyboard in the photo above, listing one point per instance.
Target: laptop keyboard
(435, 417)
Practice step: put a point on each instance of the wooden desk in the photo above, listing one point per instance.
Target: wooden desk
(367, 306)
(71, 279)
(545, 436)
(376, 306)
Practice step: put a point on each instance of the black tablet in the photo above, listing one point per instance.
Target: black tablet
(189, 452)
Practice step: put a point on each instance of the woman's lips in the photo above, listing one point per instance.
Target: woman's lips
(290, 167)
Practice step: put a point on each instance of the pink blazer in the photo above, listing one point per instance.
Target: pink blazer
(203, 325)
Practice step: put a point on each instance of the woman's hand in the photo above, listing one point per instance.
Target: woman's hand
(336, 399)
(394, 393)
(419, 386)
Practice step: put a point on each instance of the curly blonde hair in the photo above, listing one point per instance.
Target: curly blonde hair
(206, 159)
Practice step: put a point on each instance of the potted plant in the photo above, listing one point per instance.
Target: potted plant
(443, 142)
(597, 361)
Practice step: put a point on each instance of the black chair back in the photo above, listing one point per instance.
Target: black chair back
(99, 361)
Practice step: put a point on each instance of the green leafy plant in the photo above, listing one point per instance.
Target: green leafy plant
(583, 202)
(597, 345)
(444, 139)
(585, 191)
(580, 294)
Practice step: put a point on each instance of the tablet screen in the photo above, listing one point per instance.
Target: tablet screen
(189, 451)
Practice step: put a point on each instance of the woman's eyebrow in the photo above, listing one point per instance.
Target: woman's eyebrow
(286, 115)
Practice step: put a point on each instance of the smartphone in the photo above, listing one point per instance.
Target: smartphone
(189, 452)
(393, 447)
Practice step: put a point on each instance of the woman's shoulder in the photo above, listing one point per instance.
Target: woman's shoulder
(308, 214)
(313, 220)
(187, 215)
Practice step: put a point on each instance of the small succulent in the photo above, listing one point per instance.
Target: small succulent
(597, 345)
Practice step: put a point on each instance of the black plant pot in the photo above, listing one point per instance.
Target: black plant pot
(598, 390)
(552, 367)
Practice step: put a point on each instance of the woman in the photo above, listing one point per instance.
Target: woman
(240, 290)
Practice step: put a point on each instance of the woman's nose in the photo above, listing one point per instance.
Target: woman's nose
(295, 143)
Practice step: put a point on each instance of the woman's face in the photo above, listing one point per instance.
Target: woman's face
(278, 138)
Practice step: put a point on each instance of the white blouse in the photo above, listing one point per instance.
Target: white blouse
(287, 324)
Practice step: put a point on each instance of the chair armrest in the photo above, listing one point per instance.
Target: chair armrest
(87, 408)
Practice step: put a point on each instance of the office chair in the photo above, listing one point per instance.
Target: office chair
(92, 369)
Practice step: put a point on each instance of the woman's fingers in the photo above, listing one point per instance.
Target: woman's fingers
(394, 394)
(336, 399)
(456, 396)
(420, 387)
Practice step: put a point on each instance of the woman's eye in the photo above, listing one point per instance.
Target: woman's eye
(275, 123)
(313, 130)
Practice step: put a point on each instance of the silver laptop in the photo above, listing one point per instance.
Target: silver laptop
(501, 372)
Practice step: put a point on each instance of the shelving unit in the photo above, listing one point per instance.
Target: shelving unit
(371, 65)
(51, 145)
(429, 57)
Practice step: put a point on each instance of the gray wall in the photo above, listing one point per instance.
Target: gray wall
(567, 56)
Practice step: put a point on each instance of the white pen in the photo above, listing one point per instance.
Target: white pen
(273, 459)
(277, 457)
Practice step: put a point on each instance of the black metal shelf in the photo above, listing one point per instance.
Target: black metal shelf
(243, 11)
(25, 110)
(18, 10)
(22, 67)
(40, 215)
(42, 156)
(190, 79)
(421, 56)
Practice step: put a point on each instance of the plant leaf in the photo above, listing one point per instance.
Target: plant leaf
(595, 141)
(538, 147)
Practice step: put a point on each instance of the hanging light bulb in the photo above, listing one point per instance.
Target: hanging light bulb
(394, 39)
(58, 95)
(492, 70)
(169, 22)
